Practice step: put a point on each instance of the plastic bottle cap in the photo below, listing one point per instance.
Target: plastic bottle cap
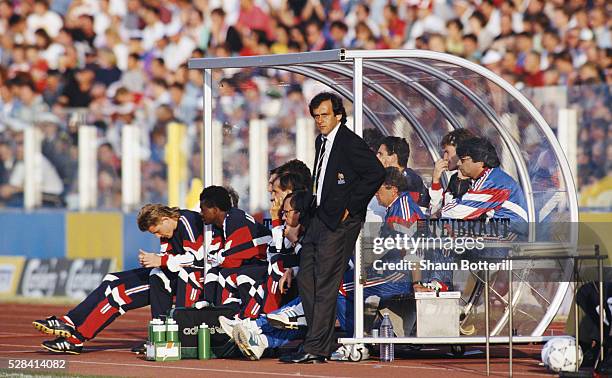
(203, 325)
(385, 314)
(170, 321)
(157, 321)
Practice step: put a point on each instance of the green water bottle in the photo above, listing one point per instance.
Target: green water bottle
(150, 329)
(158, 331)
(172, 334)
(203, 342)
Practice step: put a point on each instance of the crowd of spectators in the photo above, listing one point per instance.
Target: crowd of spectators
(109, 63)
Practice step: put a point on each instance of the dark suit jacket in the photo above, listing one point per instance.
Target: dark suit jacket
(352, 177)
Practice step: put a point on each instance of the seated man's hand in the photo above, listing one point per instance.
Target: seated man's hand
(292, 233)
(418, 288)
(149, 260)
(286, 278)
(215, 258)
(275, 208)
(440, 167)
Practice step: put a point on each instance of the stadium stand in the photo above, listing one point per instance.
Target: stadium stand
(110, 63)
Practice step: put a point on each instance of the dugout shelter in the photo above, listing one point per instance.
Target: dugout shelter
(422, 95)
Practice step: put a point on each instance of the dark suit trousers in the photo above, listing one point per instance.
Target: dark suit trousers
(323, 260)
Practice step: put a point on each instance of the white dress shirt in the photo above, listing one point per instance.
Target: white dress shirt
(328, 147)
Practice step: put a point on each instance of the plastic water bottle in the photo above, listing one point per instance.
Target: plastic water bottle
(172, 333)
(158, 331)
(204, 342)
(387, 352)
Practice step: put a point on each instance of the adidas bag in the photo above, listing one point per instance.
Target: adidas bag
(189, 320)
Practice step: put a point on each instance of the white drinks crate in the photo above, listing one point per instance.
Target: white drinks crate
(437, 314)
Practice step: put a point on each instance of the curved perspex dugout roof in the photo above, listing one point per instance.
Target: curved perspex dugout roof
(422, 95)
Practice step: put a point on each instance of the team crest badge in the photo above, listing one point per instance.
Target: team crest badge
(341, 179)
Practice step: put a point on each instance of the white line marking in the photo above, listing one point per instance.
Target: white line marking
(205, 369)
(465, 370)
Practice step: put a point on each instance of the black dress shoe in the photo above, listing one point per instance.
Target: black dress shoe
(140, 348)
(306, 358)
(287, 358)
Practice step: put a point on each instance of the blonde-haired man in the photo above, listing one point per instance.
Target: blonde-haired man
(177, 270)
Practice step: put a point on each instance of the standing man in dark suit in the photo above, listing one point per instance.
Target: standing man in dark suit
(346, 176)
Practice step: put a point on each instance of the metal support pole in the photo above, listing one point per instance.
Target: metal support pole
(258, 164)
(207, 154)
(358, 96)
(358, 128)
(601, 303)
(510, 322)
(487, 334)
(576, 313)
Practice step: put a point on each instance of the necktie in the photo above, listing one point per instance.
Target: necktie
(320, 165)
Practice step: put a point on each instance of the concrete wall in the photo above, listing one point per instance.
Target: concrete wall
(49, 234)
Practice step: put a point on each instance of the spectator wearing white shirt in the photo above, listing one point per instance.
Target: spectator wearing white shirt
(185, 107)
(463, 10)
(154, 29)
(360, 13)
(133, 78)
(231, 9)
(50, 181)
(30, 104)
(43, 18)
(426, 22)
(598, 20)
(492, 16)
(178, 50)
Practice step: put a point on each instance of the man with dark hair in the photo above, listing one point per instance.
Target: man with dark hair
(214, 198)
(401, 212)
(175, 271)
(493, 193)
(234, 197)
(347, 174)
(375, 213)
(238, 248)
(372, 137)
(287, 182)
(291, 176)
(394, 152)
(315, 38)
(293, 166)
(458, 185)
(338, 31)
(253, 337)
(300, 168)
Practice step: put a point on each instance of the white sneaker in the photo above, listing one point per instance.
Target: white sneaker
(201, 304)
(228, 325)
(351, 352)
(288, 317)
(251, 343)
